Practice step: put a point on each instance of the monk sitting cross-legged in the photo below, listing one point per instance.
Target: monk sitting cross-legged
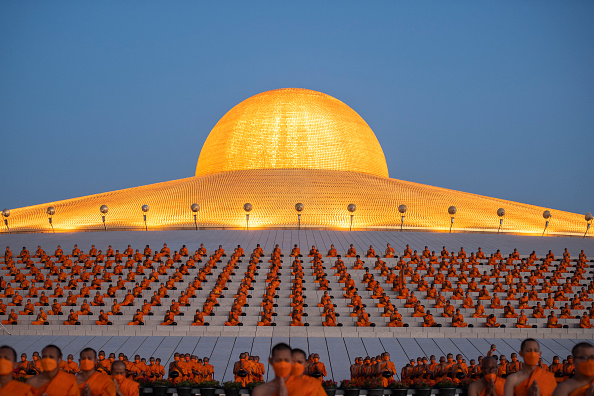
(458, 320)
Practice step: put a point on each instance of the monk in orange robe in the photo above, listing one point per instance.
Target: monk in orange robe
(582, 383)
(317, 367)
(490, 384)
(124, 386)
(91, 380)
(553, 321)
(492, 321)
(53, 381)
(458, 320)
(241, 369)
(522, 322)
(9, 386)
(289, 380)
(428, 320)
(530, 378)
(41, 318)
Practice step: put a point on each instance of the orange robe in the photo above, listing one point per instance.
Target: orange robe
(129, 387)
(63, 384)
(101, 384)
(545, 379)
(581, 391)
(15, 388)
(304, 386)
(499, 385)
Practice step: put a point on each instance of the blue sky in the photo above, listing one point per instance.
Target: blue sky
(493, 98)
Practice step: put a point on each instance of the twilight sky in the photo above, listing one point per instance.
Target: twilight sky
(493, 98)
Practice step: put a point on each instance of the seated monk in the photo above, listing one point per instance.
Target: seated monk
(390, 252)
(41, 318)
(198, 318)
(492, 321)
(479, 311)
(137, 319)
(448, 310)
(458, 320)
(419, 311)
(585, 321)
(553, 321)
(370, 251)
(395, 319)
(428, 321)
(509, 311)
(522, 322)
(363, 320)
(467, 302)
(330, 321)
(103, 319)
(332, 252)
(352, 252)
(496, 302)
(72, 319)
(521, 382)
(538, 311)
(12, 318)
(169, 319)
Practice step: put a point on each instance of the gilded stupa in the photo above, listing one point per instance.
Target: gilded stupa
(284, 147)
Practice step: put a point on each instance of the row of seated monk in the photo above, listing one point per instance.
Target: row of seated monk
(408, 253)
(276, 252)
(524, 374)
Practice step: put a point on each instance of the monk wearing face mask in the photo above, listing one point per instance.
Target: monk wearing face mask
(90, 381)
(281, 361)
(123, 385)
(387, 369)
(490, 384)
(298, 383)
(53, 381)
(530, 379)
(8, 364)
(583, 382)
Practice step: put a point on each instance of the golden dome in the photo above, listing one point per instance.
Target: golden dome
(292, 128)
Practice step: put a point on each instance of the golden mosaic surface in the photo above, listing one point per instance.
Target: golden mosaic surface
(292, 128)
(274, 193)
(282, 147)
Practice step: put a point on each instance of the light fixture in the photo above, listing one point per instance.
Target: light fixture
(5, 214)
(500, 213)
(299, 208)
(588, 218)
(402, 209)
(195, 208)
(145, 209)
(547, 215)
(248, 208)
(104, 209)
(50, 212)
(351, 208)
(452, 211)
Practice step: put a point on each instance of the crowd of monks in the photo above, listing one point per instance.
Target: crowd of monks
(491, 375)
(452, 283)
(49, 375)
